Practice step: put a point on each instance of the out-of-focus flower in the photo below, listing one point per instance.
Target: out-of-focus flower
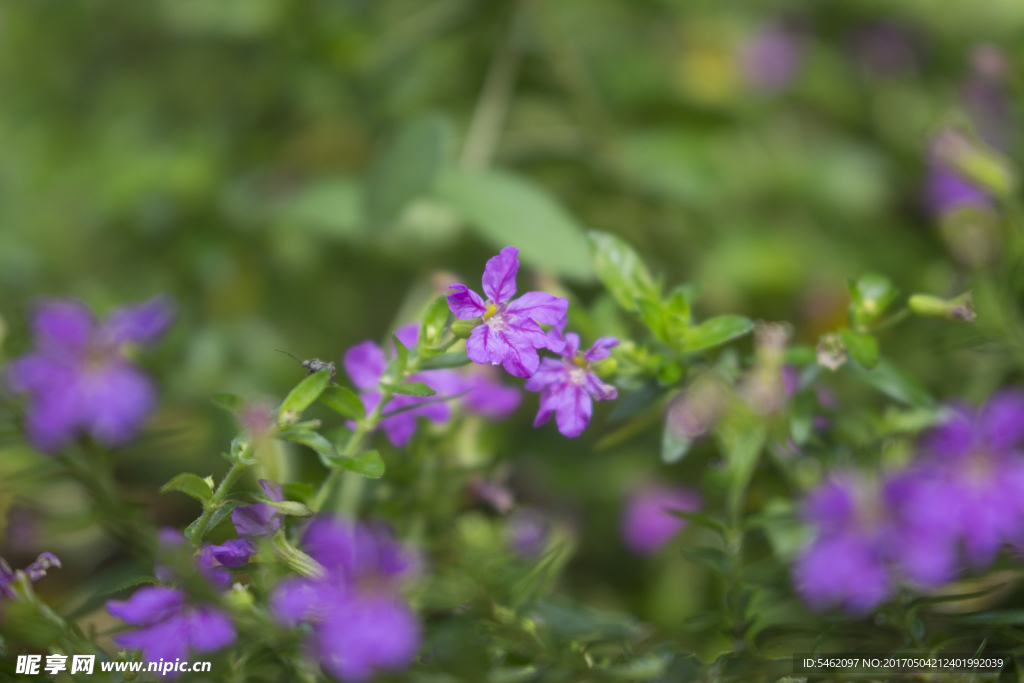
(34, 572)
(569, 386)
(771, 58)
(259, 520)
(648, 523)
(360, 623)
(169, 626)
(769, 384)
(698, 408)
(846, 564)
(884, 49)
(527, 533)
(977, 456)
(78, 379)
(510, 332)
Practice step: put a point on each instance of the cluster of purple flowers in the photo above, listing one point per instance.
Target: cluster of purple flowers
(510, 335)
(78, 379)
(359, 623)
(955, 507)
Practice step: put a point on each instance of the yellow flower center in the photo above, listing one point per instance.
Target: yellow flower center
(491, 310)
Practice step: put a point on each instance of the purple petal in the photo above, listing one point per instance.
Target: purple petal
(953, 438)
(598, 390)
(572, 344)
(465, 303)
(1002, 420)
(63, 327)
(842, 570)
(490, 398)
(601, 349)
(544, 308)
(521, 360)
(485, 346)
(141, 324)
(234, 552)
(272, 489)
(296, 600)
(39, 372)
(256, 520)
(500, 275)
(549, 398)
(364, 364)
(167, 640)
(115, 400)
(53, 418)
(573, 408)
(648, 524)
(148, 605)
(548, 372)
(209, 629)
(946, 190)
(372, 633)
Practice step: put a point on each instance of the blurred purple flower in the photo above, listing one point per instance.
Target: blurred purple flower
(567, 385)
(771, 58)
(78, 378)
(528, 532)
(259, 519)
(976, 457)
(169, 627)
(648, 523)
(946, 190)
(360, 624)
(510, 333)
(846, 565)
(34, 571)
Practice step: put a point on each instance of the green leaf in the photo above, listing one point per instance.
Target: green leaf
(330, 207)
(191, 485)
(741, 438)
(299, 489)
(432, 325)
(311, 439)
(405, 168)
(401, 360)
(674, 446)
(452, 359)
(714, 332)
(621, 270)
(290, 508)
(700, 519)
(709, 558)
(412, 389)
(304, 393)
(654, 315)
(344, 402)
(229, 402)
(871, 294)
(507, 209)
(893, 382)
(862, 347)
(218, 516)
(368, 464)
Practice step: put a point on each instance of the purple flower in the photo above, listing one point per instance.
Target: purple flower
(567, 385)
(946, 190)
(485, 395)
(510, 333)
(976, 459)
(847, 563)
(169, 626)
(365, 364)
(771, 58)
(648, 523)
(78, 379)
(360, 624)
(527, 533)
(260, 519)
(34, 571)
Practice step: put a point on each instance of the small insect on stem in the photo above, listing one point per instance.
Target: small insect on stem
(313, 364)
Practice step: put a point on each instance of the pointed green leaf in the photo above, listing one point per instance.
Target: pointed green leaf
(863, 347)
(368, 464)
(433, 323)
(893, 382)
(654, 315)
(452, 359)
(505, 209)
(405, 168)
(229, 402)
(311, 439)
(290, 508)
(401, 360)
(621, 270)
(709, 558)
(304, 394)
(344, 402)
(714, 332)
(412, 389)
(191, 485)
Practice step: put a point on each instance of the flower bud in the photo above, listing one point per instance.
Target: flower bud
(960, 309)
(463, 328)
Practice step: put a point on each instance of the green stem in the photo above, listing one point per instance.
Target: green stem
(220, 494)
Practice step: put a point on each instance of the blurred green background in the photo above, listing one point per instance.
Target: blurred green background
(303, 175)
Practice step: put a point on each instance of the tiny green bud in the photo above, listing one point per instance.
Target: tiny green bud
(960, 309)
(209, 482)
(240, 598)
(463, 328)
